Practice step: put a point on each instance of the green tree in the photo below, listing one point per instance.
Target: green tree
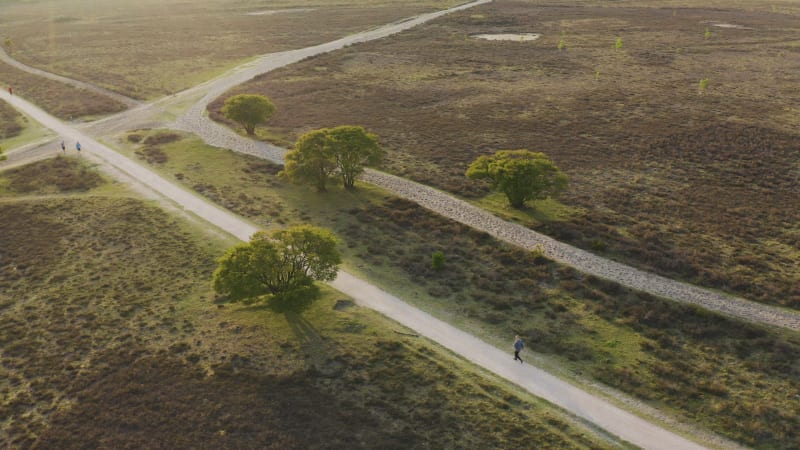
(2, 156)
(521, 175)
(353, 149)
(437, 260)
(311, 160)
(248, 110)
(277, 263)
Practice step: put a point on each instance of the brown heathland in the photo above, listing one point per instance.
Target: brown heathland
(699, 183)
(152, 48)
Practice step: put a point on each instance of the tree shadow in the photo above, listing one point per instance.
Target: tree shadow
(295, 301)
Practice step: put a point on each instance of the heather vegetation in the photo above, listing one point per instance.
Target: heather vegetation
(59, 99)
(732, 377)
(111, 337)
(697, 186)
(172, 45)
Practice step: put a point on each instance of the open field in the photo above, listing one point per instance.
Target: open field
(59, 99)
(171, 45)
(734, 378)
(696, 184)
(110, 338)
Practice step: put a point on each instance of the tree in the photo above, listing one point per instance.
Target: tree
(248, 110)
(353, 148)
(277, 264)
(311, 160)
(521, 175)
(2, 156)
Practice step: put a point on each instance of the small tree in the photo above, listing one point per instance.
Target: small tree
(2, 156)
(618, 44)
(353, 149)
(248, 110)
(311, 160)
(277, 264)
(437, 260)
(521, 175)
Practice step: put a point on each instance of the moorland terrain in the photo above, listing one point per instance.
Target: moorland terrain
(111, 338)
(732, 377)
(698, 184)
(432, 94)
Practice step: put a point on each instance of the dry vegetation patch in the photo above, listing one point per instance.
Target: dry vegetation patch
(695, 184)
(10, 119)
(56, 175)
(110, 339)
(714, 371)
(171, 45)
(59, 99)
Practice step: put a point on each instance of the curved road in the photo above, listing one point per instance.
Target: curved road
(616, 421)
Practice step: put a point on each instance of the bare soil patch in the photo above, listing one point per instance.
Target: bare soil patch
(697, 185)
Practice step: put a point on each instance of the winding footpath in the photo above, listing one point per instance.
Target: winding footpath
(616, 421)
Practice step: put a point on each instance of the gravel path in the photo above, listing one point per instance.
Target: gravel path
(196, 121)
(127, 101)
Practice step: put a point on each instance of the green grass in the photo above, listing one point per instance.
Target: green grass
(17, 129)
(711, 370)
(111, 337)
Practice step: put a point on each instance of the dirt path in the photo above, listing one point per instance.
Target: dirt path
(127, 101)
(598, 411)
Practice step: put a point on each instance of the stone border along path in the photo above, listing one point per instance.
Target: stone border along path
(127, 101)
(196, 121)
(618, 422)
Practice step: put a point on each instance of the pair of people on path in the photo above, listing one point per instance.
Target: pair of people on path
(518, 346)
(77, 147)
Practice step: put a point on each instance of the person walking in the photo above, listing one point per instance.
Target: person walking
(10, 91)
(78, 147)
(63, 147)
(518, 346)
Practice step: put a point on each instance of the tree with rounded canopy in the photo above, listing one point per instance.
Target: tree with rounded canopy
(521, 175)
(248, 110)
(310, 161)
(277, 263)
(353, 148)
